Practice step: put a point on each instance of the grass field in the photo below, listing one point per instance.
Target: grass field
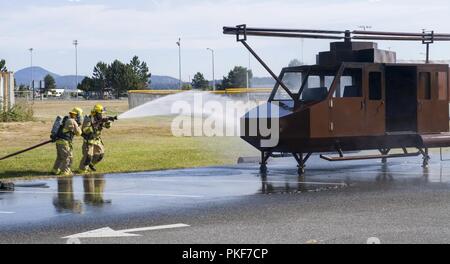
(131, 145)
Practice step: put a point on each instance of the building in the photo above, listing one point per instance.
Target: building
(7, 99)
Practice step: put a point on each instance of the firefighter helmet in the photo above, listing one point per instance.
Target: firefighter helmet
(76, 111)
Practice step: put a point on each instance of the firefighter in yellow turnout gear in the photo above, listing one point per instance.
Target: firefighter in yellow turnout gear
(93, 149)
(70, 127)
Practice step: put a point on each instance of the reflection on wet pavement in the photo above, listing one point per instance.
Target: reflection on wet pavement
(93, 188)
(65, 199)
(300, 186)
(82, 196)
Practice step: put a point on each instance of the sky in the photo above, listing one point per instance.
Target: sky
(113, 29)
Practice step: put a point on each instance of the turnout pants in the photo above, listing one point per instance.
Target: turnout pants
(92, 154)
(64, 157)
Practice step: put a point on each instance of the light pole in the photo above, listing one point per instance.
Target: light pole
(179, 62)
(213, 75)
(302, 48)
(31, 67)
(75, 43)
(248, 71)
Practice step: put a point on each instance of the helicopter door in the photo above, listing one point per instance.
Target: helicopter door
(374, 101)
(425, 103)
(432, 104)
(348, 114)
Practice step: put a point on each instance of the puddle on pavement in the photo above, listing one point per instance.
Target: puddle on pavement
(151, 191)
(298, 185)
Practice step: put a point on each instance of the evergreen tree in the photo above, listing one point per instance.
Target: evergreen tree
(199, 82)
(141, 73)
(99, 79)
(49, 83)
(3, 66)
(121, 77)
(237, 78)
(86, 85)
(295, 62)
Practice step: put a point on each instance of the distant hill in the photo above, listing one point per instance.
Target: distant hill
(158, 82)
(68, 81)
(23, 76)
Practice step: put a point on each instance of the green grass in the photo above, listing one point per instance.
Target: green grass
(128, 155)
(131, 146)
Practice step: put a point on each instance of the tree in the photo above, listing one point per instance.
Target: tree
(237, 78)
(199, 82)
(99, 79)
(295, 62)
(49, 83)
(120, 76)
(141, 73)
(86, 85)
(186, 87)
(3, 66)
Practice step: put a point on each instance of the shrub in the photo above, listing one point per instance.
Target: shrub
(20, 112)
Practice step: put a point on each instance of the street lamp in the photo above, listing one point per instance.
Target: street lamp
(179, 62)
(214, 79)
(75, 43)
(31, 67)
(303, 45)
(248, 71)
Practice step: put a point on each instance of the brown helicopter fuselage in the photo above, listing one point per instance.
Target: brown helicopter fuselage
(382, 105)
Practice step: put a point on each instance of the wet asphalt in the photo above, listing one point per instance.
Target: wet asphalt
(344, 202)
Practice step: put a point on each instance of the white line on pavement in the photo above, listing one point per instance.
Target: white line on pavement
(115, 193)
(3, 212)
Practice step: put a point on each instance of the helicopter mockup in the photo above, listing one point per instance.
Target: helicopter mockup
(357, 97)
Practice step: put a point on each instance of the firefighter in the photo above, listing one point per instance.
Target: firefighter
(93, 149)
(70, 127)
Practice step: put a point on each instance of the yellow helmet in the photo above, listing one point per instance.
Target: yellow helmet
(98, 109)
(77, 111)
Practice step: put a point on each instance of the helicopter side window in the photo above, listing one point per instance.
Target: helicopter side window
(350, 84)
(425, 85)
(316, 88)
(375, 86)
(442, 85)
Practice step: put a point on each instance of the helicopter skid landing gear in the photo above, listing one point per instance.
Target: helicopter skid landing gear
(263, 164)
(426, 157)
(301, 162)
(385, 152)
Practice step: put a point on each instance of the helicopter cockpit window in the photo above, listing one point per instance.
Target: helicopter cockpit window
(316, 84)
(350, 84)
(293, 81)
